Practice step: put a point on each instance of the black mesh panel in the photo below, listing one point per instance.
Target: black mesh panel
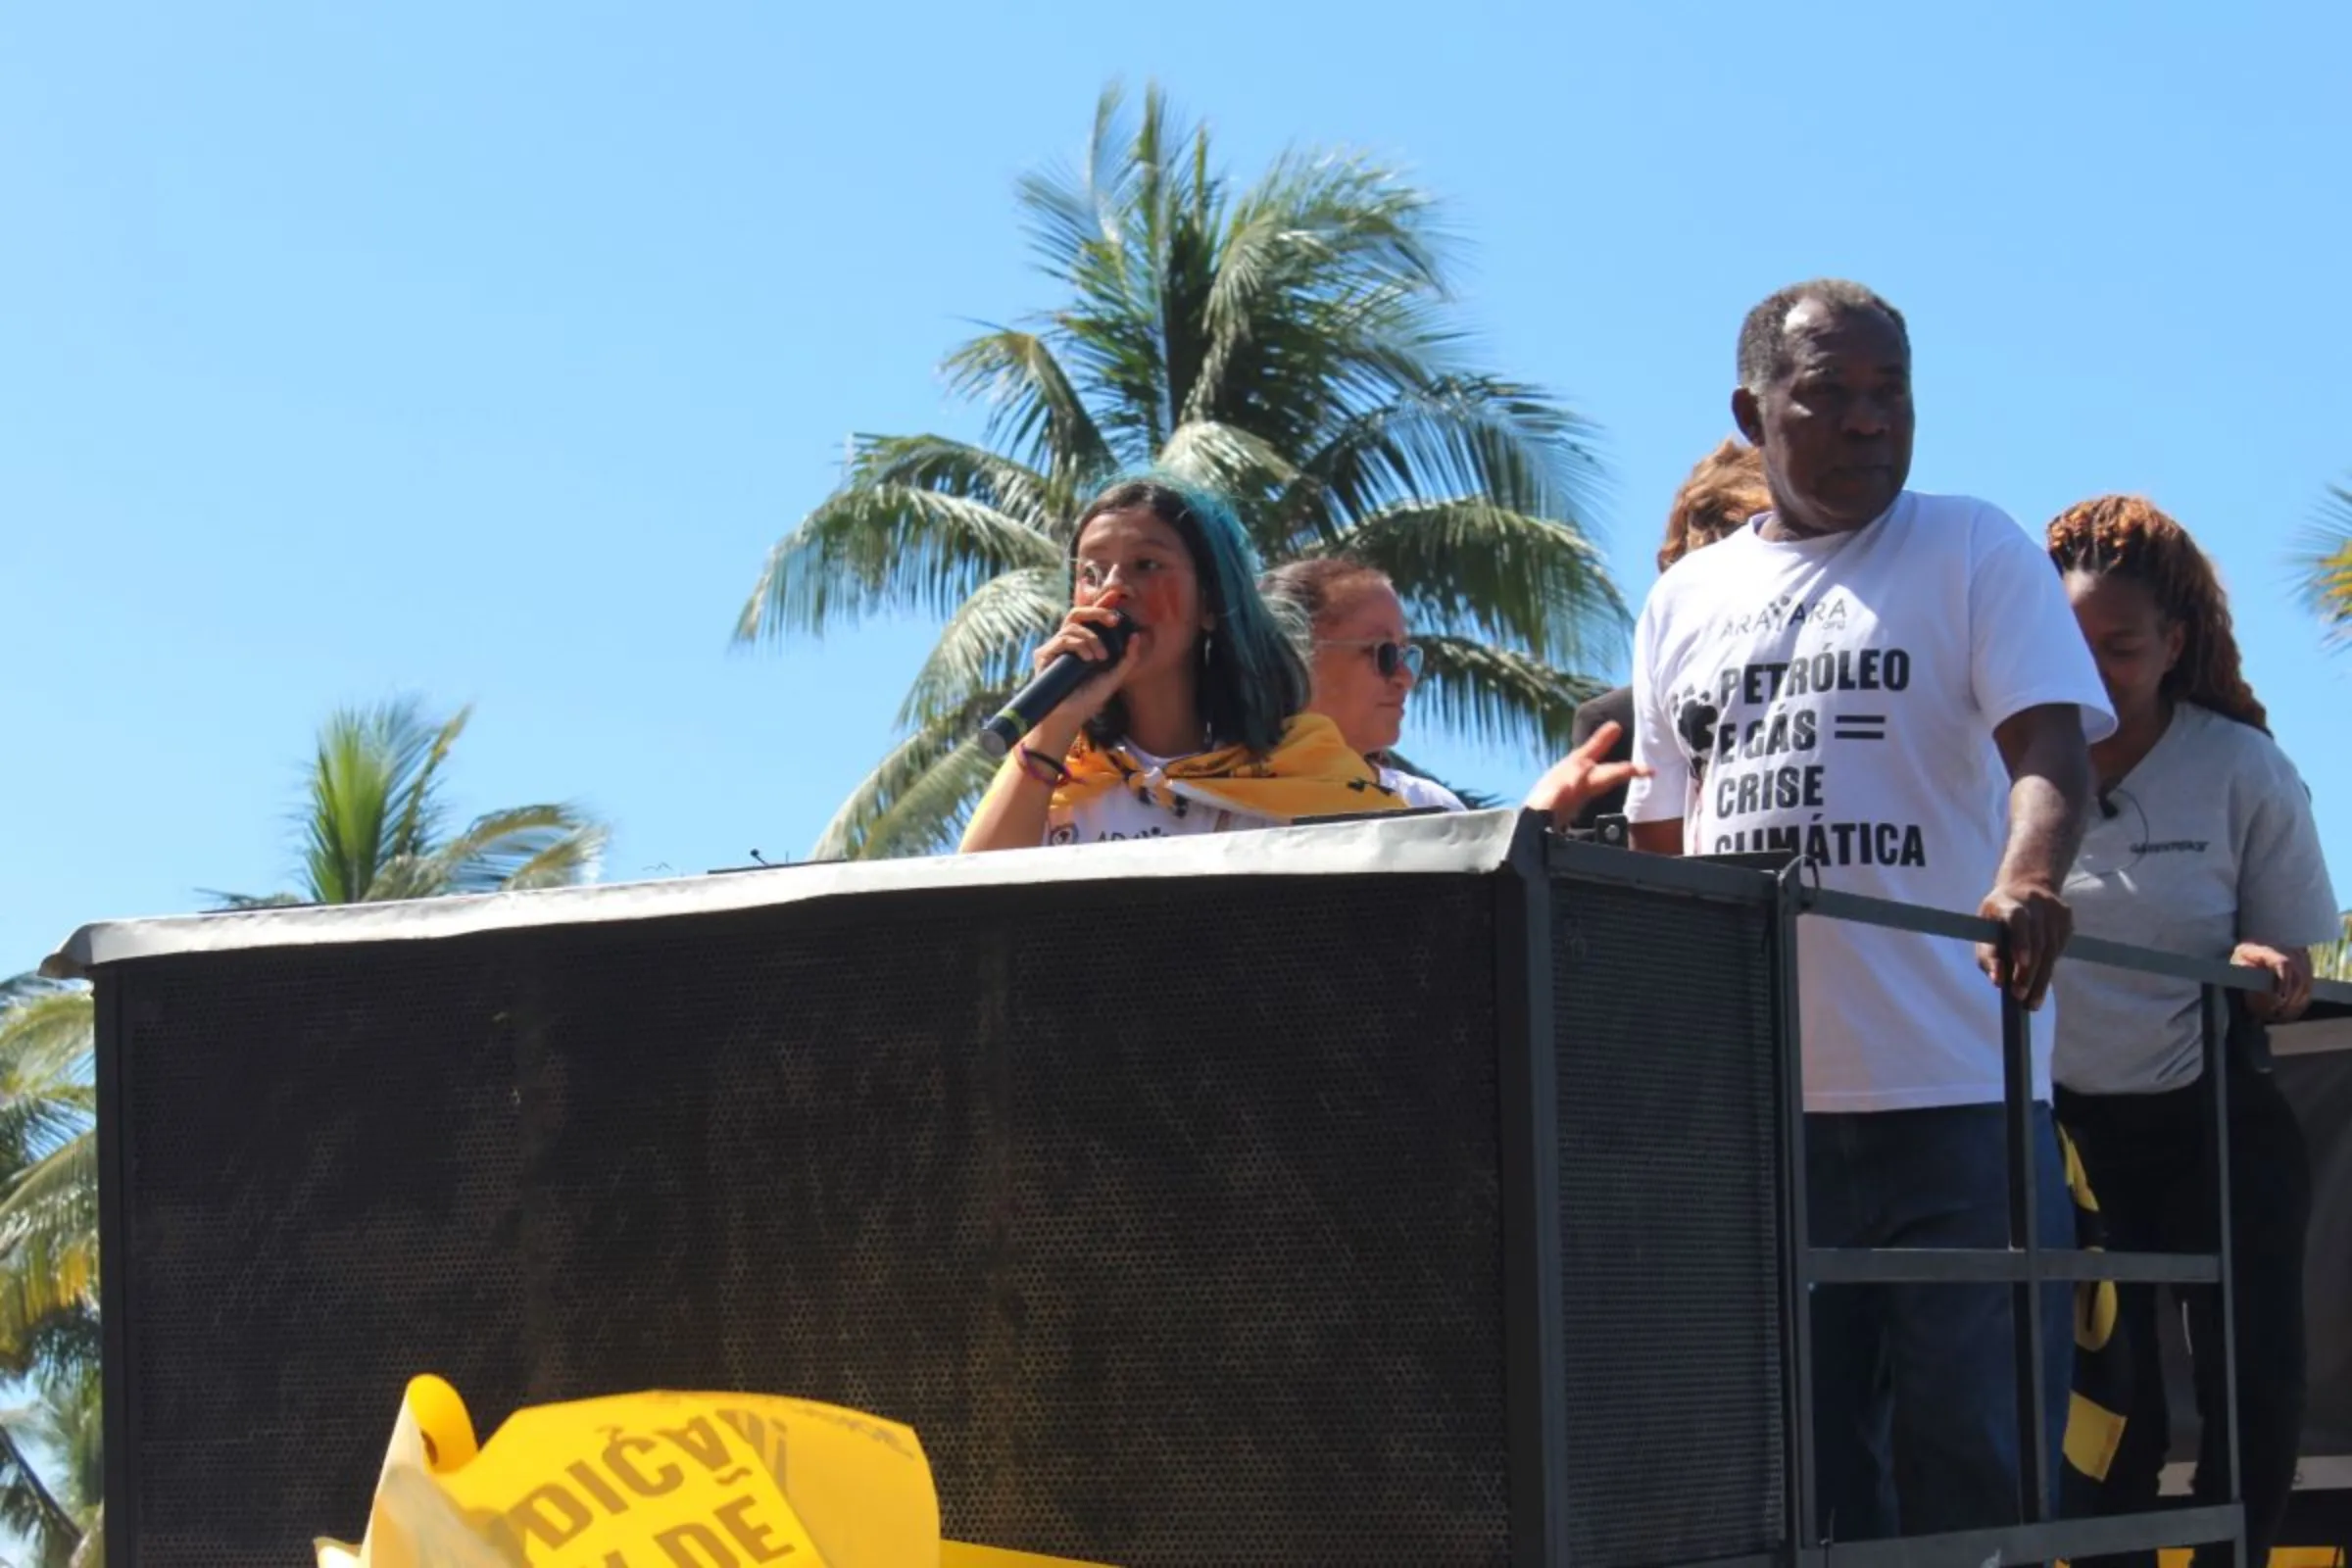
(1669, 1230)
(1176, 1248)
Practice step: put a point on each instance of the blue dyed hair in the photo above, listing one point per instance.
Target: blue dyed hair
(1252, 679)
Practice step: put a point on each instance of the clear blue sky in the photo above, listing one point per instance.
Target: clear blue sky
(481, 351)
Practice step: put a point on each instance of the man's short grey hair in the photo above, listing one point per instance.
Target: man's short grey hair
(1764, 335)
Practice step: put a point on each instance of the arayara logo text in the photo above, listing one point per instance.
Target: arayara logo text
(1827, 613)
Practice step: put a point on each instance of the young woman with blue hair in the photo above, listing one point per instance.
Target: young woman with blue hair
(1200, 725)
(1196, 728)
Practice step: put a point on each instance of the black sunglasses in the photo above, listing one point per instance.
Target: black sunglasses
(1387, 657)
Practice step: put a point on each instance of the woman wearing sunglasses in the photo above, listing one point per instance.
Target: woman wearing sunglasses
(1363, 661)
(1365, 666)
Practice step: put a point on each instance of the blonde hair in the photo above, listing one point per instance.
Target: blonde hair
(1725, 489)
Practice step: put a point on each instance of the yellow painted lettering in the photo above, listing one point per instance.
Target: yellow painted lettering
(550, 1514)
(695, 1545)
(757, 1540)
(617, 1460)
(699, 1440)
(597, 1487)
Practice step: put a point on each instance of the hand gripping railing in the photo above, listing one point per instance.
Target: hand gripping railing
(2026, 1262)
(2030, 1261)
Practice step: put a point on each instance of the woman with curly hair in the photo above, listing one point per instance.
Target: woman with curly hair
(1723, 491)
(2203, 844)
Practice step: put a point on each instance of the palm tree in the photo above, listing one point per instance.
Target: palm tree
(63, 1521)
(2333, 960)
(2324, 564)
(1286, 343)
(375, 826)
(48, 1252)
(48, 1177)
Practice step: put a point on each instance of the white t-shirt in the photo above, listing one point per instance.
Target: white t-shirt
(1836, 698)
(1419, 792)
(2212, 843)
(1130, 811)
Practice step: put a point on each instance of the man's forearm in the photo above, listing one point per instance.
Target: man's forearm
(1658, 838)
(2049, 805)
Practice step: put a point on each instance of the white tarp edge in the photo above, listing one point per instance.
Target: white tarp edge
(1450, 844)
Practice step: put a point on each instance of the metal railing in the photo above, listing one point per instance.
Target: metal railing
(2028, 1261)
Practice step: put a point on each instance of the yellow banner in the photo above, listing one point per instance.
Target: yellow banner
(656, 1481)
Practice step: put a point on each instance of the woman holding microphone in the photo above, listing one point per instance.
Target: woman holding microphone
(1196, 728)
(1201, 724)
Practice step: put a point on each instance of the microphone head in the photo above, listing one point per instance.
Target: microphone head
(1119, 633)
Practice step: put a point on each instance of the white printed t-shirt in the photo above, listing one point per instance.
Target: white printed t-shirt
(2212, 843)
(1130, 812)
(1836, 698)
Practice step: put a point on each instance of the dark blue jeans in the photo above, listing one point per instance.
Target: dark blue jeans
(1915, 1428)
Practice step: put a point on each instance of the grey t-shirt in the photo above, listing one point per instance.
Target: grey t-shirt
(2211, 844)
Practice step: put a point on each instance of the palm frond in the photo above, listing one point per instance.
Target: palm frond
(54, 1195)
(1499, 698)
(47, 1041)
(852, 833)
(253, 901)
(1070, 216)
(1327, 225)
(2323, 564)
(1034, 412)
(48, 1246)
(986, 643)
(930, 810)
(956, 468)
(67, 1424)
(1474, 569)
(2333, 962)
(91, 1551)
(61, 1348)
(891, 547)
(29, 1511)
(373, 795)
(1137, 272)
(34, 1124)
(48, 1165)
(46, 1031)
(418, 794)
(1324, 273)
(1456, 436)
(515, 847)
(1236, 463)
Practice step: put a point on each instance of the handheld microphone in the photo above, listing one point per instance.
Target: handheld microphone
(1052, 684)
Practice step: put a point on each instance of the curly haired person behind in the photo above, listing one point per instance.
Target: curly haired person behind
(2204, 844)
(1725, 489)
